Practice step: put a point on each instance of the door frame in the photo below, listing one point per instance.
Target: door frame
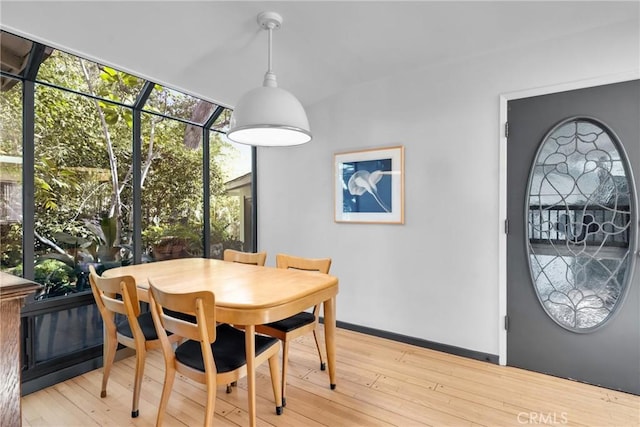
(502, 193)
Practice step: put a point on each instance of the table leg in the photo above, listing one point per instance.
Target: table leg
(329, 337)
(250, 343)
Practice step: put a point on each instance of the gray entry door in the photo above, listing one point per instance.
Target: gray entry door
(573, 274)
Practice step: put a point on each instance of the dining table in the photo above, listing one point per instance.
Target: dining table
(246, 295)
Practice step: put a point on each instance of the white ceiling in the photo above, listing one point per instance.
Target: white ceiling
(215, 49)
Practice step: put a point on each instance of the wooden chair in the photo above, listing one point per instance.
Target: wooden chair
(137, 331)
(298, 324)
(258, 258)
(232, 255)
(212, 354)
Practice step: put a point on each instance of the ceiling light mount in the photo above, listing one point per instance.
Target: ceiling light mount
(268, 115)
(270, 20)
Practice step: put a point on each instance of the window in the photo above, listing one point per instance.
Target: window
(94, 137)
(82, 168)
(172, 191)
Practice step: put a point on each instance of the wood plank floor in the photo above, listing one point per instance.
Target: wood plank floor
(380, 383)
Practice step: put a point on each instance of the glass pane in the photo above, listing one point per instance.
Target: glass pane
(72, 72)
(11, 177)
(82, 195)
(172, 218)
(223, 120)
(67, 331)
(231, 201)
(579, 225)
(176, 104)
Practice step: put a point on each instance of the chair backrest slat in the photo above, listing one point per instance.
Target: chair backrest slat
(106, 290)
(201, 305)
(180, 327)
(257, 258)
(113, 304)
(321, 265)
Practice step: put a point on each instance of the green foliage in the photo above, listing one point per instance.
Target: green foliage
(10, 245)
(53, 272)
(74, 192)
(220, 232)
(187, 231)
(11, 121)
(152, 234)
(173, 188)
(57, 277)
(104, 243)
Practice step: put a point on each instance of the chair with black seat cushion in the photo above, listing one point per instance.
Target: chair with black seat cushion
(212, 354)
(118, 295)
(257, 258)
(298, 324)
(252, 258)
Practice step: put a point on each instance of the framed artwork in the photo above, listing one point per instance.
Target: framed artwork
(369, 186)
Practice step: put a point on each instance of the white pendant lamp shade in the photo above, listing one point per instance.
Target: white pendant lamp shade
(267, 115)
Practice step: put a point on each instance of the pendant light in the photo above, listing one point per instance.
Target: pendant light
(268, 115)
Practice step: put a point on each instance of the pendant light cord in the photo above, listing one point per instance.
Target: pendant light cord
(270, 77)
(269, 70)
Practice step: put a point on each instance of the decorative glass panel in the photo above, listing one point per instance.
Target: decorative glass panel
(581, 219)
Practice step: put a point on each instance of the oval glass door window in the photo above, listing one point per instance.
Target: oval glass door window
(581, 222)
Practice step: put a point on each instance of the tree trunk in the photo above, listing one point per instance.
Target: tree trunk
(116, 202)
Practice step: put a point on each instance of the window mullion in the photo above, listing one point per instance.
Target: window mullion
(28, 179)
(206, 188)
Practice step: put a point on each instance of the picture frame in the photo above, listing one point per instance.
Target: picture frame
(369, 186)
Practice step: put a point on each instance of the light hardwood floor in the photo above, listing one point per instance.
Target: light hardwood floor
(380, 382)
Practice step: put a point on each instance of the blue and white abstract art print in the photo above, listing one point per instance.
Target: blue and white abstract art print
(369, 186)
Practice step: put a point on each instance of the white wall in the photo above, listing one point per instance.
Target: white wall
(436, 277)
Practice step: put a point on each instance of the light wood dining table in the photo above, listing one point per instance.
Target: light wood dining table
(246, 295)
